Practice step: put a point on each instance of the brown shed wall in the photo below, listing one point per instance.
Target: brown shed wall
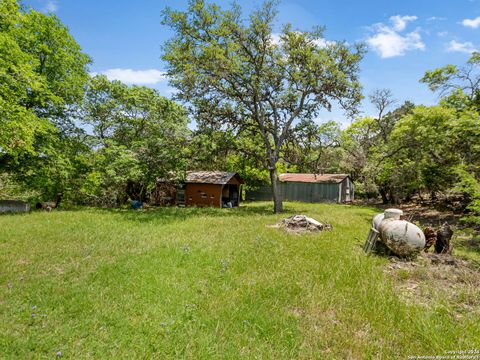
(203, 195)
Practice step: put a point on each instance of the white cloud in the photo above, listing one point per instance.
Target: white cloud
(388, 42)
(400, 22)
(324, 42)
(436, 18)
(51, 6)
(465, 47)
(138, 77)
(473, 23)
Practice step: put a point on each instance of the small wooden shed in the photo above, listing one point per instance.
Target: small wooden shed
(200, 188)
(212, 188)
(310, 188)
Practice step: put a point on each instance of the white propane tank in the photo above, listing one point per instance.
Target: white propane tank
(377, 219)
(388, 214)
(402, 237)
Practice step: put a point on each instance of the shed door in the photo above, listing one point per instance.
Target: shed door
(348, 191)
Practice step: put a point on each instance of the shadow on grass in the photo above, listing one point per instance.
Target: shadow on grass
(178, 214)
(170, 214)
(167, 215)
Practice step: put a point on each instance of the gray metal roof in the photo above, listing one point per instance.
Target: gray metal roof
(313, 178)
(210, 177)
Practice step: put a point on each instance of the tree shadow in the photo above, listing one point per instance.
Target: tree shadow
(165, 215)
(170, 214)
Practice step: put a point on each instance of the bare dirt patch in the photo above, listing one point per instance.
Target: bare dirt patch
(424, 214)
(427, 216)
(434, 279)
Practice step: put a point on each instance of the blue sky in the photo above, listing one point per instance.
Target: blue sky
(404, 38)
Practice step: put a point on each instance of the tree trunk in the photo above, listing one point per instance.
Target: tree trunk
(393, 198)
(383, 194)
(276, 194)
(408, 197)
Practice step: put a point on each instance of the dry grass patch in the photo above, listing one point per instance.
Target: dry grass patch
(437, 280)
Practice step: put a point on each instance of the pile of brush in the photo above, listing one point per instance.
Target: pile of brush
(302, 223)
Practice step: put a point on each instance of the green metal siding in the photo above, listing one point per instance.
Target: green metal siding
(310, 192)
(261, 194)
(300, 191)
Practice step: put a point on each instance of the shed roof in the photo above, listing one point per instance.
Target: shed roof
(313, 178)
(211, 177)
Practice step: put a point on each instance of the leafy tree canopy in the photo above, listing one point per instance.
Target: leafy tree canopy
(138, 136)
(43, 72)
(454, 81)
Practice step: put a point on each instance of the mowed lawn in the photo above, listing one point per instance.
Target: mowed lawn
(207, 283)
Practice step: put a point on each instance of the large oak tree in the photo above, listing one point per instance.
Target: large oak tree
(240, 75)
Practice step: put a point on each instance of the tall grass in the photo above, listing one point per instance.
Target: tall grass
(207, 283)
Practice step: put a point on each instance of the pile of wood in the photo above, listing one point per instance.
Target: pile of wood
(49, 205)
(164, 194)
(302, 223)
(439, 239)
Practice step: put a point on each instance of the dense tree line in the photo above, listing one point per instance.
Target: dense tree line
(66, 134)
(254, 97)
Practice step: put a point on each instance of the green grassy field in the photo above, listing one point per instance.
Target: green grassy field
(208, 283)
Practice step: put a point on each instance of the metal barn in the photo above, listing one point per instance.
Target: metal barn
(310, 188)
